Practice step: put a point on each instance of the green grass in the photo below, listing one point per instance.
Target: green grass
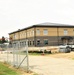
(35, 74)
(5, 70)
(34, 54)
(24, 53)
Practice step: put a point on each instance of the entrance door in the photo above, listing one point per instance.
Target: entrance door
(65, 41)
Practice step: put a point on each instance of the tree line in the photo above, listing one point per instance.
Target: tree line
(3, 40)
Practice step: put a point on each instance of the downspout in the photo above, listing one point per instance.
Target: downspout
(26, 37)
(35, 36)
(26, 34)
(58, 35)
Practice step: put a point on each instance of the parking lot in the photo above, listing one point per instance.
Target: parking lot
(53, 64)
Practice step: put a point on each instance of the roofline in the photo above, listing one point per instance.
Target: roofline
(21, 29)
(53, 26)
(38, 25)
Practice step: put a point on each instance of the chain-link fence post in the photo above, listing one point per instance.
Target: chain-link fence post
(27, 55)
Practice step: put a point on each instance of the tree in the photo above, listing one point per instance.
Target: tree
(3, 39)
(0, 41)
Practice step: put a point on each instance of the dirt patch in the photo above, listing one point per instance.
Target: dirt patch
(63, 55)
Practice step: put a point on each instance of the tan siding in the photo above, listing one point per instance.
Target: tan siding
(22, 34)
(30, 32)
(11, 36)
(51, 31)
(70, 31)
(16, 36)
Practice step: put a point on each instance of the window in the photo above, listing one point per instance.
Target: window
(24, 43)
(45, 32)
(20, 44)
(33, 32)
(30, 42)
(65, 32)
(14, 36)
(38, 32)
(38, 42)
(21, 34)
(46, 42)
(73, 31)
(30, 33)
(33, 42)
(25, 34)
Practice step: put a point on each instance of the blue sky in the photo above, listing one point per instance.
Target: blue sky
(18, 14)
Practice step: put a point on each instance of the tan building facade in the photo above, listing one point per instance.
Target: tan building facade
(45, 34)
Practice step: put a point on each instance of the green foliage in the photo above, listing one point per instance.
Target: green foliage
(0, 41)
(35, 74)
(4, 70)
(3, 40)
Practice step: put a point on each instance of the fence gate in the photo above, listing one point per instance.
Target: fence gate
(17, 55)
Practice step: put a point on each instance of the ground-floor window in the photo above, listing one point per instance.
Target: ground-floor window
(24, 42)
(45, 42)
(38, 42)
(30, 42)
(21, 44)
(33, 42)
(14, 45)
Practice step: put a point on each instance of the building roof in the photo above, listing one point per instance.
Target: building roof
(53, 24)
(46, 24)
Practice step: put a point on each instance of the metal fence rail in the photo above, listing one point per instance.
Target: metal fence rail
(16, 55)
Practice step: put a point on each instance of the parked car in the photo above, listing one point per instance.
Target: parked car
(65, 48)
(71, 46)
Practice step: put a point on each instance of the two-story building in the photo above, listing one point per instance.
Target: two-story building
(44, 34)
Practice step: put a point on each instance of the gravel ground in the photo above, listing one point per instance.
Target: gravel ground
(51, 66)
(48, 65)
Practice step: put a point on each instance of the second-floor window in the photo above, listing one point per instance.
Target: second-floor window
(33, 32)
(73, 31)
(65, 31)
(38, 32)
(14, 36)
(25, 34)
(28, 33)
(45, 32)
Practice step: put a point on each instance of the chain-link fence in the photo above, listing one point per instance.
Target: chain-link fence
(15, 54)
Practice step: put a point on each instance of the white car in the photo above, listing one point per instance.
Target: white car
(64, 48)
